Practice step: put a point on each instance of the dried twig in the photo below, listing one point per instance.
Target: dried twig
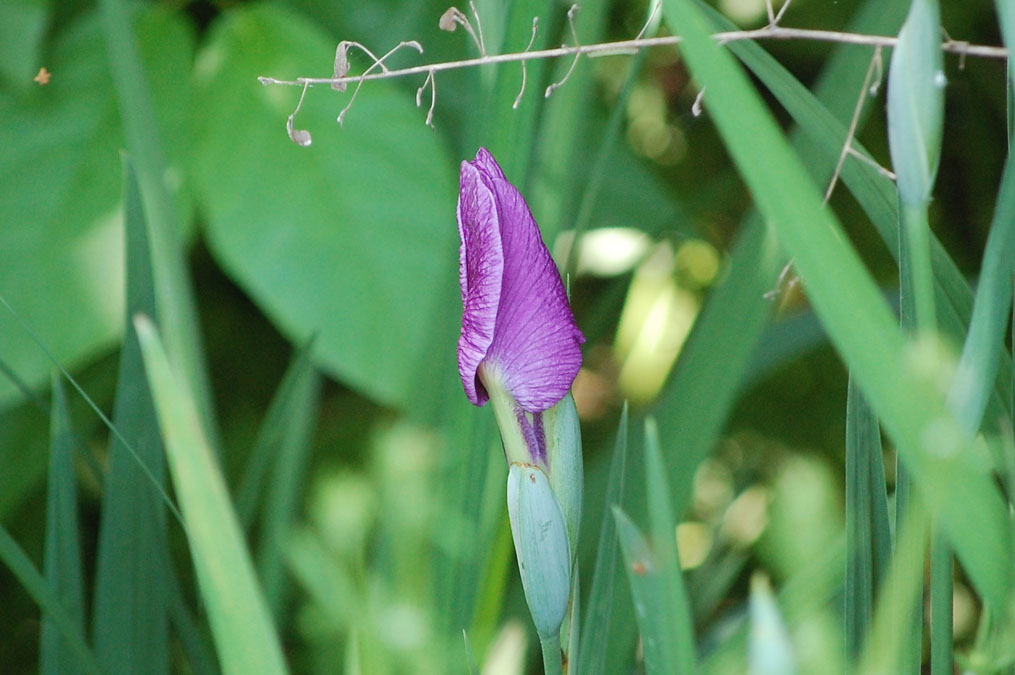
(571, 13)
(433, 97)
(625, 46)
(870, 87)
(525, 72)
(378, 63)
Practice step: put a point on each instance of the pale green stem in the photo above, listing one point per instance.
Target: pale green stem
(917, 233)
(552, 664)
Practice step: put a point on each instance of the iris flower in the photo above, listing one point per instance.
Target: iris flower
(518, 333)
(521, 349)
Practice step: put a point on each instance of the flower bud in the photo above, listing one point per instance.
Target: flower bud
(541, 544)
(916, 83)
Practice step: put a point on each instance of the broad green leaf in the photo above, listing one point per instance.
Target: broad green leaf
(63, 551)
(60, 192)
(22, 28)
(240, 621)
(952, 481)
(351, 238)
(131, 620)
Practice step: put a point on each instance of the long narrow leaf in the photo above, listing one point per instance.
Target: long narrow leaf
(131, 621)
(595, 631)
(868, 539)
(284, 491)
(176, 305)
(271, 436)
(980, 354)
(955, 487)
(35, 584)
(63, 551)
(241, 624)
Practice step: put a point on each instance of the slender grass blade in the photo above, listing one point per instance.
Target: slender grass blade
(63, 550)
(241, 623)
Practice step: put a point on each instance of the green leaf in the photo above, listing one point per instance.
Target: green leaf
(978, 366)
(63, 551)
(35, 584)
(876, 194)
(22, 28)
(663, 527)
(351, 238)
(708, 374)
(177, 307)
(595, 631)
(275, 430)
(868, 533)
(132, 576)
(952, 481)
(241, 624)
(60, 191)
(652, 588)
(284, 491)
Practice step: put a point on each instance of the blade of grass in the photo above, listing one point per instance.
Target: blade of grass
(176, 304)
(915, 121)
(596, 629)
(663, 527)
(131, 624)
(868, 540)
(271, 436)
(876, 194)
(241, 624)
(284, 490)
(857, 319)
(63, 551)
(770, 651)
(35, 584)
(885, 651)
(706, 377)
(978, 365)
(470, 658)
(650, 590)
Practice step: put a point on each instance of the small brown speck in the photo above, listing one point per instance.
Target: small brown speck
(42, 77)
(639, 568)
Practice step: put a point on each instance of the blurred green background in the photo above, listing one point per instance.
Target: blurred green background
(351, 243)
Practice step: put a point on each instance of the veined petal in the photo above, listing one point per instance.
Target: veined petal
(481, 267)
(535, 345)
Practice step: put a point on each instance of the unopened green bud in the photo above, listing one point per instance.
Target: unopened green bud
(541, 544)
(916, 83)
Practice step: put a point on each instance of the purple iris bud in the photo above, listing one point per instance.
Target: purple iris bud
(521, 349)
(517, 318)
(518, 332)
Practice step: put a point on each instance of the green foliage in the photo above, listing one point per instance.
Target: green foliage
(345, 513)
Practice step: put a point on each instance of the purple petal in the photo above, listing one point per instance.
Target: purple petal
(517, 315)
(481, 266)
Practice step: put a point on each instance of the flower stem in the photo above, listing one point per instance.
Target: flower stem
(552, 664)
